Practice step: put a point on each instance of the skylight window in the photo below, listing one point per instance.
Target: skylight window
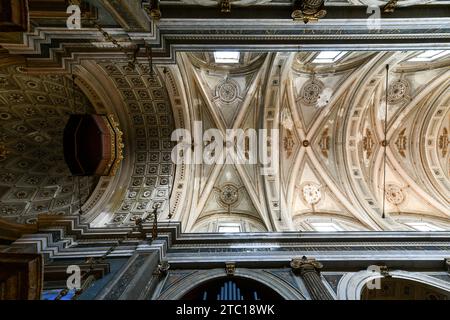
(226, 56)
(231, 227)
(325, 226)
(430, 55)
(329, 56)
(424, 226)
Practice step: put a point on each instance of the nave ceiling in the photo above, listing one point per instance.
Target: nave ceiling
(332, 120)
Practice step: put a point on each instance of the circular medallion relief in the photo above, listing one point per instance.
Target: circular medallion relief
(227, 91)
(394, 194)
(229, 194)
(311, 91)
(398, 90)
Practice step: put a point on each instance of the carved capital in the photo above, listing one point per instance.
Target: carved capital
(303, 265)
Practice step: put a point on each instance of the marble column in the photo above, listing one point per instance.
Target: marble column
(309, 270)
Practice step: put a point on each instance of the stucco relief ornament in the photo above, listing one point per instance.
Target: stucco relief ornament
(229, 194)
(394, 194)
(311, 91)
(398, 91)
(311, 193)
(227, 91)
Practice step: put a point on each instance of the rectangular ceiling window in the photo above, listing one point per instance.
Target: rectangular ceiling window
(424, 226)
(329, 56)
(226, 56)
(430, 55)
(229, 228)
(325, 226)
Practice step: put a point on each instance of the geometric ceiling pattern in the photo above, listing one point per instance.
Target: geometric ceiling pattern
(150, 177)
(34, 177)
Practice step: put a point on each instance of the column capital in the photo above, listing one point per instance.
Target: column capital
(304, 264)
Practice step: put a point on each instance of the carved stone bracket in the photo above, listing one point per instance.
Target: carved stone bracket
(308, 10)
(230, 268)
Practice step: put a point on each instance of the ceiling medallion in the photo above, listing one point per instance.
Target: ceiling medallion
(227, 91)
(398, 91)
(311, 91)
(394, 194)
(311, 193)
(229, 195)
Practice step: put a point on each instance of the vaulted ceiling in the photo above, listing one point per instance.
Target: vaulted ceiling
(331, 119)
(332, 127)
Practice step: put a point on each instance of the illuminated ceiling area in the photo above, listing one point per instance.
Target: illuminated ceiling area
(329, 107)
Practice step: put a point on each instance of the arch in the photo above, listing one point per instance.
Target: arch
(351, 285)
(182, 287)
(232, 288)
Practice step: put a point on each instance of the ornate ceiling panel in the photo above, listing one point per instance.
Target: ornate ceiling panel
(150, 113)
